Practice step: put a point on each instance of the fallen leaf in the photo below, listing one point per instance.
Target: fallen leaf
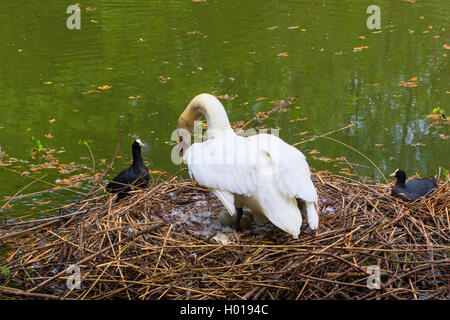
(283, 54)
(293, 27)
(357, 49)
(433, 116)
(314, 151)
(52, 120)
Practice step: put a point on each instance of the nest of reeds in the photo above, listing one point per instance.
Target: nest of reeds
(166, 242)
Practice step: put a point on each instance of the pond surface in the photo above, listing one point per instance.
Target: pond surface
(138, 63)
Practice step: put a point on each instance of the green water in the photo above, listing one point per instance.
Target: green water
(166, 52)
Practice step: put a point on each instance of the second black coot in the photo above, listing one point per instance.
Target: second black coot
(413, 189)
(136, 176)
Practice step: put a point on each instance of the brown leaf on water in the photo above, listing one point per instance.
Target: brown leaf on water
(162, 79)
(303, 133)
(105, 87)
(293, 27)
(357, 49)
(47, 82)
(48, 135)
(282, 54)
(433, 116)
(42, 202)
(378, 144)
(261, 98)
(314, 151)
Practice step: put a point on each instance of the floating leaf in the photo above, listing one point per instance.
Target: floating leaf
(357, 49)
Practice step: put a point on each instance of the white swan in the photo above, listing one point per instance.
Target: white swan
(261, 172)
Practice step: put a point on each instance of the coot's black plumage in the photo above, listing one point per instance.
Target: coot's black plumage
(134, 176)
(413, 189)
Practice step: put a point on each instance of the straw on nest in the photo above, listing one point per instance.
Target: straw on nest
(159, 244)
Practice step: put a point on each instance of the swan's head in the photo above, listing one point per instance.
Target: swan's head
(185, 127)
(203, 105)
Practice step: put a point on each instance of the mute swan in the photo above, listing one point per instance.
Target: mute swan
(261, 172)
(412, 189)
(136, 175)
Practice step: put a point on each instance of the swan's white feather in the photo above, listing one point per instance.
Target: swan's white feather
(221, 164)
(227, 199)
(290, 168)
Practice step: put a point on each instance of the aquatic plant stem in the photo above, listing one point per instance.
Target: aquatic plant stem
(359, 152)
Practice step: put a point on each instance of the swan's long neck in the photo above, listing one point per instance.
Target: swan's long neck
(208, 106)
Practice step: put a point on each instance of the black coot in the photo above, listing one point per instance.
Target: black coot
(413, 189)
(134, 176)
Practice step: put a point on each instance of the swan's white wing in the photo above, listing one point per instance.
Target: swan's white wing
(227, 199)
(292, 174)
(223, 164)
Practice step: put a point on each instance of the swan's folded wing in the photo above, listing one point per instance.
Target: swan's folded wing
(222, 164)
(292, 174)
